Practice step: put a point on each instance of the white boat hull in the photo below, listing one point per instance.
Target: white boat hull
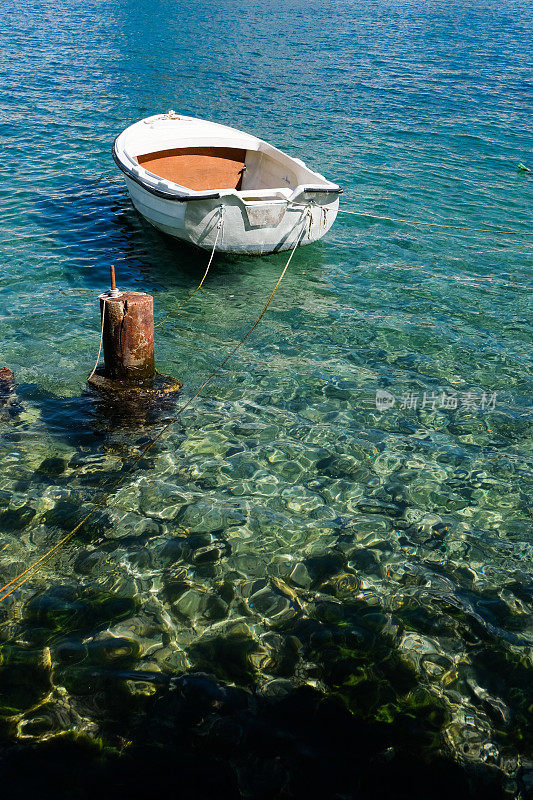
(255, 219)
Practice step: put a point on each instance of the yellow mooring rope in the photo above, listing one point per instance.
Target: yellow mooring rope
(219, 230)
(101, 341)
(436, 224)
(28, 573)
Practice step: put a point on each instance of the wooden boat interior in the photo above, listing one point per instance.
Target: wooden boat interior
(202, 168)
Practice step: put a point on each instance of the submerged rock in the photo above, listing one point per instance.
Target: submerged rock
(115, 650)
(52, 467)
(229, 651)
(197, 603)
(268, 603)
(205, 516)
(25, 678)
(68, 608)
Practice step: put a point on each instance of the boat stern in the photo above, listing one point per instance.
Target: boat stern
(260, 224)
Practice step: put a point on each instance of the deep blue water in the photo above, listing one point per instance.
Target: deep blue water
(319, 597)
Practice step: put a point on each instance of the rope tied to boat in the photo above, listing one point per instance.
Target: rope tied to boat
(220, 233)
(29, 572)
(435, 224)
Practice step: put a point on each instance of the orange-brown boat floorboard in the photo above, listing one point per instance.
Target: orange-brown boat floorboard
(198, 168)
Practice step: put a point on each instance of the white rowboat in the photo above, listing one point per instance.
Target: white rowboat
(220, 188)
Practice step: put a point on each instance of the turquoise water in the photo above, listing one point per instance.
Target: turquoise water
(295, 593)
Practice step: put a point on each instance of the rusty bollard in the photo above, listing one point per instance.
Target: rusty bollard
(9, 401)
(7, 381)
(128, 345)
(128, 339)
(7, 386)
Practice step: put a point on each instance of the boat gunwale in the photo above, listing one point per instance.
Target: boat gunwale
(175, 196)
(178, 195)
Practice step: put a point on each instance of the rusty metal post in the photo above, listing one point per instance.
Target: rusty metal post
(128, 342)
(7, 380)
(128, 337)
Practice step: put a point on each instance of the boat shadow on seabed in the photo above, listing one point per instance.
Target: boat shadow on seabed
(95, 224)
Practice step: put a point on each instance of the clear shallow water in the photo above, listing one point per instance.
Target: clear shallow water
(356, 582)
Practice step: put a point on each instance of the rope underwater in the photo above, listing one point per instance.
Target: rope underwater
(101, 342)
(220, 224)
(29, 572)
(104, 297)
(435, 224)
